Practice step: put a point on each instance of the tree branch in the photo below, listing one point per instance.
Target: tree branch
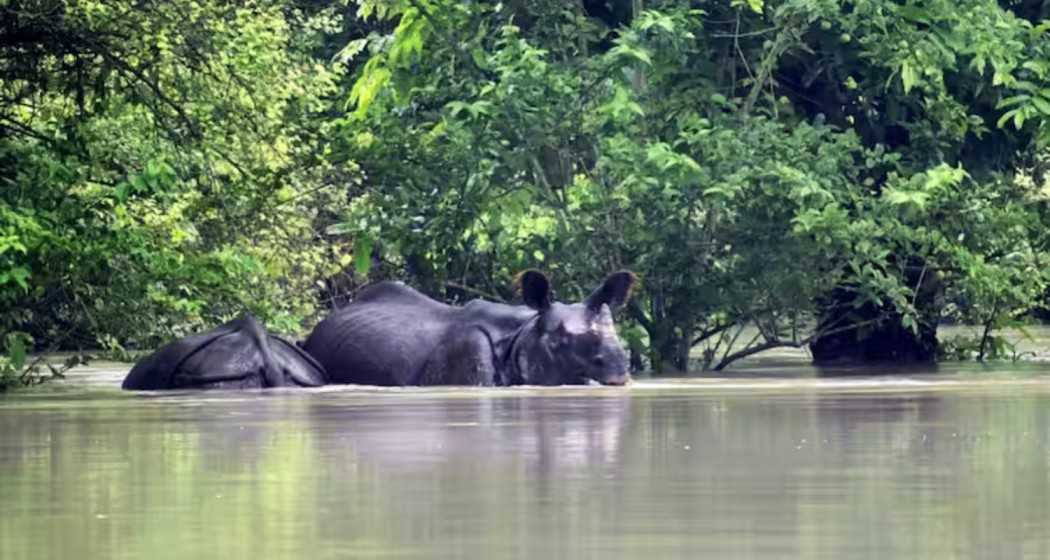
(750, 350)
(725, 361)
(704, 335)
(638, 314)
(487, 295)
(143, 79)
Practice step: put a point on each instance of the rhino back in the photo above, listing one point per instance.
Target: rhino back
(382, 338)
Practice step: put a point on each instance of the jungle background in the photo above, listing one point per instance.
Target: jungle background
(841, 176)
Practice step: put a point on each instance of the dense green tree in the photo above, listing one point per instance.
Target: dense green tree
(839, 175)
(814, 169)
(162, 167)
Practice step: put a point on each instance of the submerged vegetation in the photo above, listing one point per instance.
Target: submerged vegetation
(836, 175)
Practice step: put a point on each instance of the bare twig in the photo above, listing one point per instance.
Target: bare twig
(475, 291)
(736, 45)
(736, 34)
(918, 285)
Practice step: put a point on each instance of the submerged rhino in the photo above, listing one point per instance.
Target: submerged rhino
(393, 335)
(236, 355)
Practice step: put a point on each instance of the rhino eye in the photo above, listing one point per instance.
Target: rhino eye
(556, 339)
(588, 344)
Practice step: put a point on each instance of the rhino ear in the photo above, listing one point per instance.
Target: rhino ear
(535, 289)
(614, 292)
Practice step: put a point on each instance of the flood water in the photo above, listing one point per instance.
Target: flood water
(771, 461)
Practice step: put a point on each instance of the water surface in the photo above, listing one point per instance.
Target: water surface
(772, 461)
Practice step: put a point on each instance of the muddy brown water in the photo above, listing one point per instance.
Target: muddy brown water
(772, 460)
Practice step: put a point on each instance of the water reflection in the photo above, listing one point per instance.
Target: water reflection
(560, 434)
(817, 470)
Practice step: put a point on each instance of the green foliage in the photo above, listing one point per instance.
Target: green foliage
(13, 362)
(163, 169)
(746, 160)
(170, 164)
(18, 369)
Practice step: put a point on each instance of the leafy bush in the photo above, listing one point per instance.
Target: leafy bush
(163, 170)
(780, 173)
(748, 159)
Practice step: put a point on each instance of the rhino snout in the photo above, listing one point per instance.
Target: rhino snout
(618, 379)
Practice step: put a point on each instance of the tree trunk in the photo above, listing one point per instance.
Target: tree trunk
(668, 350)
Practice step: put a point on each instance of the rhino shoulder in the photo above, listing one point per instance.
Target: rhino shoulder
(395, 293)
